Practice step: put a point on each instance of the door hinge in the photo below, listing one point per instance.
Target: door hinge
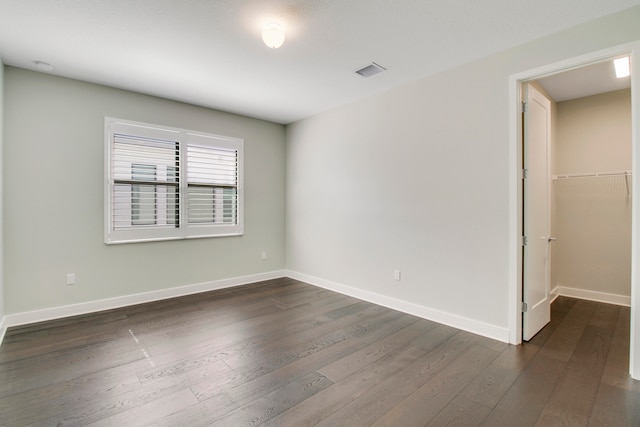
(524, 240)
(525, 307)
(524, 107)
(525, 173)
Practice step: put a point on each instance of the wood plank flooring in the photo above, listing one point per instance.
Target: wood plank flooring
(285, 353)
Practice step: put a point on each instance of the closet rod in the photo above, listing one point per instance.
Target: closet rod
(595, 174)
(626, 174)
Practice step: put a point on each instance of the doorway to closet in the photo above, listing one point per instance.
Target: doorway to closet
(515, 269)
(585, 250)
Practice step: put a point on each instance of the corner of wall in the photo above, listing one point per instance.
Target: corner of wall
(2, 316)
(463, 323)
(73, 112)
(59, 312)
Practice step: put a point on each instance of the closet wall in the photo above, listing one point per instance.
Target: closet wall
(591, 218)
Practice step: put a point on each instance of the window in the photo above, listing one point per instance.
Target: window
(166, 183)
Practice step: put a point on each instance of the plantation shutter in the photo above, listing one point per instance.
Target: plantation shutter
(166, 183)
(146, 180)
(212, 184)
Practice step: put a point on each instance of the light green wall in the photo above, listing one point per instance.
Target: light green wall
(54, 201)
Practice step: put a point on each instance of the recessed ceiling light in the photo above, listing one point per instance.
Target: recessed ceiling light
(622, 67)
(43, 66)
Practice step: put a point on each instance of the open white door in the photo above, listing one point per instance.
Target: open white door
(536, 221)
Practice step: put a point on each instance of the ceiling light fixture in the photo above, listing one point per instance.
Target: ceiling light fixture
(622, 67)
(272, 35)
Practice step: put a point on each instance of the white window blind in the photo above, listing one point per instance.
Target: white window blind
(166, 183)
(146, 182)
(212, 185)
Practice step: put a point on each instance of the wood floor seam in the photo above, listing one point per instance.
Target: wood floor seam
(283, 353)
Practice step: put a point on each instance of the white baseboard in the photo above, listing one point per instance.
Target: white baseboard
(3, 328)
(127, 300)
(453, 320)
(594, 296)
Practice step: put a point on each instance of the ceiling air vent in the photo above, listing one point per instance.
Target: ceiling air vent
(370, 70)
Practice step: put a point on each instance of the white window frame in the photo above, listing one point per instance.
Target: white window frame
(182, 229)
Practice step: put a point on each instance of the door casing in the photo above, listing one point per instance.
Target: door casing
(516, 194)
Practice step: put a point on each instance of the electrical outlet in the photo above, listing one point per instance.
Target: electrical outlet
(263, 256)
(71, 279)
(396, 274)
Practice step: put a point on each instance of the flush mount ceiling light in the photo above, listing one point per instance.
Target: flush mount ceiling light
(272, 35)
(622, 67)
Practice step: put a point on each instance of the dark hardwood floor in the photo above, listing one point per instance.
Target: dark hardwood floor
(284, 353)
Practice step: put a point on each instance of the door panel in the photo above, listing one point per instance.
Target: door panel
(536, 268)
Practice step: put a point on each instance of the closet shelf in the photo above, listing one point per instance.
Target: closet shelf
(594, 174)
(625, 174)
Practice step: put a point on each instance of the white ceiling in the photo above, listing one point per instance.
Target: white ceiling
(585, 81)
(209, 52)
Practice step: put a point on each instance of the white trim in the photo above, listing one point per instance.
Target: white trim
(594, 296)
(634, 347)
(127, 300)
(514, 270)
(3, 328)
(554, 294)
(453, 320)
